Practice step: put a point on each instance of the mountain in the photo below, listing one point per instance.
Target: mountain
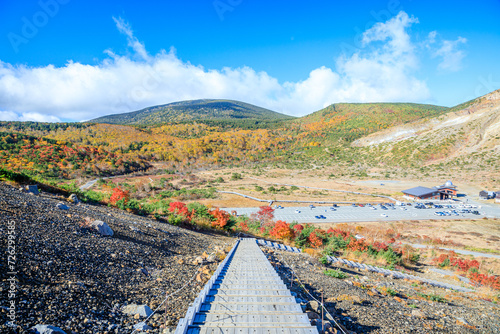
(193, 110)
(469, 132)
(349, 121)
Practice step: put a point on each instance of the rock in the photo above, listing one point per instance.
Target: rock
(142, 326)
(47, 329)
(22, 189)
(198, 260)
(313, 306)
(418, 313)
(141, 310)
(462, 322)
(102, 228)
(356, 299)
(32, 189)
(181, 261)
(62, 206)
(73, 199)
(312, 315)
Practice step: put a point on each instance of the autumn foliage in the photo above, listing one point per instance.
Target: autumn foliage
(315, 240)
(265, 213)
(180, 209)
(119, 194)
(221, 218)
(445, 260)
(282, 230)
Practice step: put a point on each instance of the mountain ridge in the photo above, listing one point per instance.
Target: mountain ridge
(193, 110)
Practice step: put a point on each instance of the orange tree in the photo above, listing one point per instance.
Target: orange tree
(282, 230)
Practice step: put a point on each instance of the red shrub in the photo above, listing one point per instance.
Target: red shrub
(314, 239)
(119, 194)
(338, 233)
(221, 218)
(486, 280)
(357, 245)
(179, 208)
(265, 213)
(298, 229)
(461, 264)
(243, 226)
(380, 246)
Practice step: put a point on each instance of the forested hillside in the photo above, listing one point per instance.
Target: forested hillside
(325, 137)
(195, 110)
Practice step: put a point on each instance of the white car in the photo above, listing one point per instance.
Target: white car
(383, 215)
(297, 211)
(373, 208)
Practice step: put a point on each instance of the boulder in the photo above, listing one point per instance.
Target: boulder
(47, 329)
(313, 306)
(32, 189)
(141, 310)
(312, 315)
(62, 206)
(142, 327)
(102, 228)
(73, 199)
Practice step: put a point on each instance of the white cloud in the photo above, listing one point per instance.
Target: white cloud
(449, 51)
(29, 116)
(383, 71)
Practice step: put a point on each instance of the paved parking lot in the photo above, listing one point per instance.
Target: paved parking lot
(360, 214)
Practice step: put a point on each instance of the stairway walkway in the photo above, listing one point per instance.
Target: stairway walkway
(247, 297)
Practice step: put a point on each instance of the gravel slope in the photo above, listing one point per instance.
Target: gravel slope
(359, 301)
(75, 279)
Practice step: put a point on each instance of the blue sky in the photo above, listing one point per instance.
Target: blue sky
(70, 60)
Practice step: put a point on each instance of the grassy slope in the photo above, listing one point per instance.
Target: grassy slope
(347, 122)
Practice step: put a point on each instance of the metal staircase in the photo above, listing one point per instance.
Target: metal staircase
(245, 296)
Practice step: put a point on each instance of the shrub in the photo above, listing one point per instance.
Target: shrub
(199, 210)
(302, 239)
(236, 176)
(179, 208)
(221, 218)
(391, 292)
(282, 230)
(119, 194)
(486, 280)
(265, 213)
(433, 297)
(314, 240)
(334, 273)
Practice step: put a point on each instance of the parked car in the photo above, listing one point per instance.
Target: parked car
(297, 211)
(383, 215)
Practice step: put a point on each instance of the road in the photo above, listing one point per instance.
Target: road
(345, 214)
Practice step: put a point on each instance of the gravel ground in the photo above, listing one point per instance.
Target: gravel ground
(73, 278)
(361, 304)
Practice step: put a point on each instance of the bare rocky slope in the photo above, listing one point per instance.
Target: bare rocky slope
(472, 129)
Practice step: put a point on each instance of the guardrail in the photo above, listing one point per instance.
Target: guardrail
(185, 322)
(361, 266)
